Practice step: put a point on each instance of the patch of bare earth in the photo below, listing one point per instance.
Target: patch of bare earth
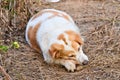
(99, 22)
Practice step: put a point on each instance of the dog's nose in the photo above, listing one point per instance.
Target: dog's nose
(85, 62)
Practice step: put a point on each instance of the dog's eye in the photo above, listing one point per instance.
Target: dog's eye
(72, 56)
(78, 48)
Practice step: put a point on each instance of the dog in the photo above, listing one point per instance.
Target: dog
(55, 34)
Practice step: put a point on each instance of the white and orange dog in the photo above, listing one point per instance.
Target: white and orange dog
(55, 34)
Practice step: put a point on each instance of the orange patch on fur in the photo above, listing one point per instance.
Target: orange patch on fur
(75, 45)
(58, 14)
(74, 37)
(32, 37)
(67, 53)
(55, 13)
(55, 50)
(62, 37)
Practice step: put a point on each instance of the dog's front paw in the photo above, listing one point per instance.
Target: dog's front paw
(70, 66)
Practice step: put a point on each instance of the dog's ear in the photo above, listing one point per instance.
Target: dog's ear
(74, 37)
(55, 50)
(62, 37)
(79, 39)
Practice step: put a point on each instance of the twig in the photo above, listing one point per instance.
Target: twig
(27, 5)
(4, 72)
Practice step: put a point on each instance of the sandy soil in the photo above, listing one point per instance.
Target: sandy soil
(99, 22)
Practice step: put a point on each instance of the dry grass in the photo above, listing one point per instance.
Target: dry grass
(99, 21)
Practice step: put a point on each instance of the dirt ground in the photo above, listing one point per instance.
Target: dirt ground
(99, 22)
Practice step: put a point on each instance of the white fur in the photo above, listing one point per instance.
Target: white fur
(81, 57)
(48, 32)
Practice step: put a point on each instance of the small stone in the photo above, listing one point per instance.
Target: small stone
(79, 68)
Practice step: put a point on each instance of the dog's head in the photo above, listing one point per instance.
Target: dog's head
(69, 47)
